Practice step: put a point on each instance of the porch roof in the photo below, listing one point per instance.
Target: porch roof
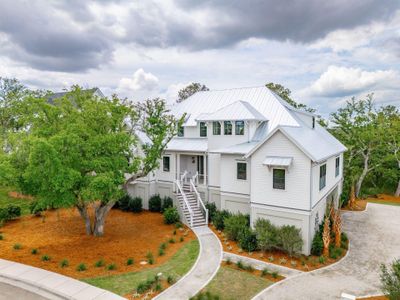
(243, 148)
(278, 161)
(188, 145)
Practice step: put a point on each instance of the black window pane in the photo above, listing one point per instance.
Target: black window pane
(279, 179)
(216, 128)
(241, 171)
(203, 129)
(337, 166)
(239, 127)
(322, 177)
(181, 131)
(227, 128)
(166, 163)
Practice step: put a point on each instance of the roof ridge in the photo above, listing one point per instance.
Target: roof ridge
(235, 88)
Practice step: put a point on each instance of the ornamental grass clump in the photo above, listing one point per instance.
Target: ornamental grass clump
(111, 267)
(81, 267)
(129, 261)
(64, 263)
(99, 263)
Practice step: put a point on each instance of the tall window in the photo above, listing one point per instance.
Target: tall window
(337, 166)
(239, 127)
(278, 179)
(166, 163)
(203, 129)
(322, 177)
(216, 128)
(181, 131)
(241, 170)
(227, 127)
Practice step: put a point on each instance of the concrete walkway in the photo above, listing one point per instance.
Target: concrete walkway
(374, 239)
(18, 281)
(260, 265)
(203, 271)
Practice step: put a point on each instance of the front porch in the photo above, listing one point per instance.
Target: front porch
(192, 166)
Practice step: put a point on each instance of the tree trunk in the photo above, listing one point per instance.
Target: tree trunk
(326, 237)
(363, 174)
(85, 216)
(101, 212)
(397, 193)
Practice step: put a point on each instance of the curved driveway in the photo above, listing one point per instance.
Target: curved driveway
(374, 239)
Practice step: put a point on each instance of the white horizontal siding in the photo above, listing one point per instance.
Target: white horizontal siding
(297, 192)
(228, 175)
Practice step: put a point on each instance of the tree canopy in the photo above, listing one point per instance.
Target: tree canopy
(78, 150)
(190, 90)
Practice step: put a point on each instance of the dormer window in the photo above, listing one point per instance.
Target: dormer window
(216, 128)
(227, 128)
(203, 129)
(239, 127)
(313, 122)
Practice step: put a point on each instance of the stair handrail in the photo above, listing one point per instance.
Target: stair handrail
(200, 203)
(183, 176)
(185, 201)
(196, 178)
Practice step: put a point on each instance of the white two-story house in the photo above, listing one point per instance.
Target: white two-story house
(247, 150)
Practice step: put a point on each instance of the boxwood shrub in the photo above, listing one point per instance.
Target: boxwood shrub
(167, 202)
(155, 203)
(171, 215)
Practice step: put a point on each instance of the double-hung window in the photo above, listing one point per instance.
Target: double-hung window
(181, 131)
(227, 128)
(241, 171)
(279, 179)
(166, 160)
(322, 176)
(216, 128)
(239, 127)
(337, 166)
(203, 129)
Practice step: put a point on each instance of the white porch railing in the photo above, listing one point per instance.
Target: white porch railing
(185, 202)
(200, 203)
(183, 177)
(195, 178)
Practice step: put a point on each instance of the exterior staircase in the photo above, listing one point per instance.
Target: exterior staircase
(199, 219)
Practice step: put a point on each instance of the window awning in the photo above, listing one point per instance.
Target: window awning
(278, 161)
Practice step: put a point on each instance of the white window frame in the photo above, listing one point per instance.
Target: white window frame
(237, 170)
(320, 168)
(169, 163)
(284, 178)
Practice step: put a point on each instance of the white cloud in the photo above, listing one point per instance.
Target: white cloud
(343, 81)
(140, 81)
(171, 94)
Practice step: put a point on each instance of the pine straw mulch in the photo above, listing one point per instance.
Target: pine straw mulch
(360, 205)
(374, 298)
(300, 262)
(61, 235)
(384, 199)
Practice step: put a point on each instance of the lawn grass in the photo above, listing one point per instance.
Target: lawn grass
(234, 284)
(176, 267)
(6, 200)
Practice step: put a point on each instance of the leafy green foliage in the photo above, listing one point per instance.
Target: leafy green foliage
(212, 209)
(171, 215)
(266, 234)
(317, 245)
(247, 239)
(10, 212)
(129, 261)
(289, 239)
(81, 267)
(390, 279)
(234, 225)
(219, 217)
(166, 203)
(190, 90)
(111, 267)
(99, 263)
(155, 203)
(64, 263)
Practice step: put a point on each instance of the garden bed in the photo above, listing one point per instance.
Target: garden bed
(360, 205)
(384, 199)
(299, 262)
(60, 235)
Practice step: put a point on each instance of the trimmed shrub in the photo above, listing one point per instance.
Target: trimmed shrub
(390, 279)
(218, 219)
(35, 208)
(234, 225)
(10, 212)
(289, 239)
(34, 251)
(171, 215)
(317, 245)
(212, 209)
(123, 202)
(266, 234)
(155, 203)
(136, 204)
(129, 261)
(167, 202)
(247, 239)
(335, 252)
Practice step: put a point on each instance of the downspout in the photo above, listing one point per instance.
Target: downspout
(311, 200)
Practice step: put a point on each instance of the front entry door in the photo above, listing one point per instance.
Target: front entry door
(200, 164)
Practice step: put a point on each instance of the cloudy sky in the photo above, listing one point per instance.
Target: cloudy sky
(324, 51)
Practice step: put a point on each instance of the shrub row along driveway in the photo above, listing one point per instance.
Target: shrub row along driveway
(374, 239)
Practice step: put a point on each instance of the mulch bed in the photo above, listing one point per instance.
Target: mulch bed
(374, 298)
(384, 198)
(361, 204)
(61, 235)
(301, 262)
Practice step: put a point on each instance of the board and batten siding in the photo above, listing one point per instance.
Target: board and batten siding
(297, 184)
(331, 179)
(228, 175)
(213, 170)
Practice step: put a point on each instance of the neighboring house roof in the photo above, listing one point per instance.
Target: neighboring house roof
(261, 99)
(96, 91)
(278, 161)
(236, 149)
(188, 144)
(239, 110)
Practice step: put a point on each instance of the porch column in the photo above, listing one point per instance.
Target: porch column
(205, 168)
